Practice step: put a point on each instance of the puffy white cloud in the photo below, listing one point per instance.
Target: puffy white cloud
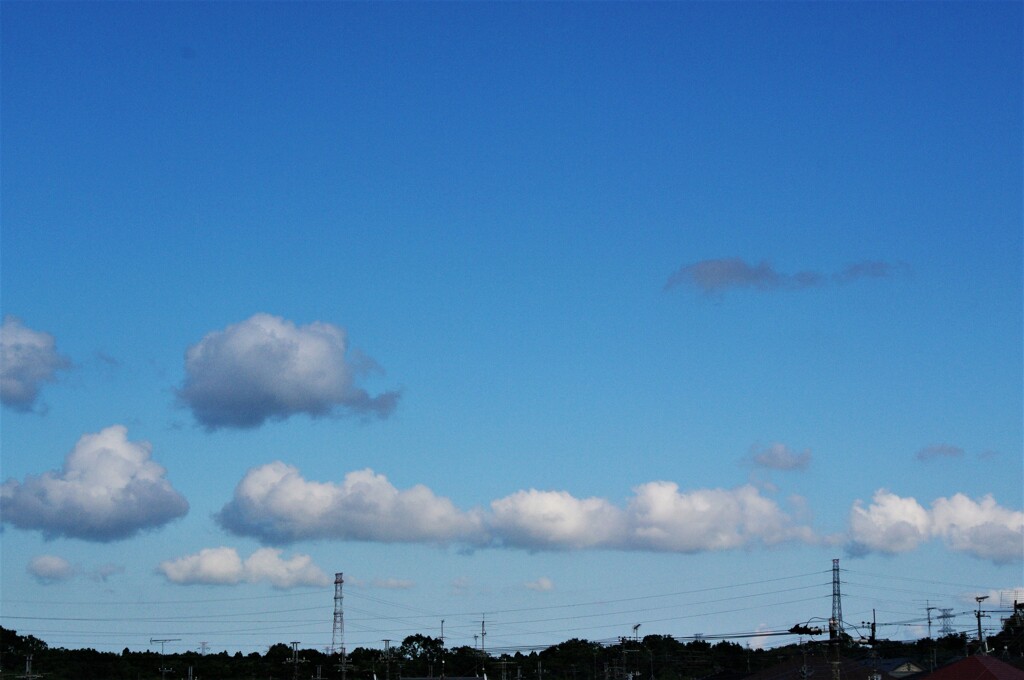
(716, 276)
(781, 457)
(662, 518)
(658, 517)
(268, 368)
(889, 525)
(276, 504)
(108, 489)
(266, 565)
(983, 528)
(28, 359)
(50, 569)
(223, 566)
(980, 528)
(555, 519)
(541, 585)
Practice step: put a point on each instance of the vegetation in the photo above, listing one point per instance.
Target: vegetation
(655, 657)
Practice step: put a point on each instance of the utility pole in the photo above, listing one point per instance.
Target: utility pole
(164, 670)
(928, 610)
(387, 659)
(483, 636)
(982, 646)
(295, 660)
(442, 649)
(29, 675)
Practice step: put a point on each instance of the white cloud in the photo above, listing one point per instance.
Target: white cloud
(555, 519)
(662, 518)
(108, 489)
(276, 504)
(268, 368)
(223, 566)
(781, 457)
(50, 569)
(889, 525)
(266, 565)
(541, 585)
(28, 359)
(658, 517)
(892, 524)
(980, 528)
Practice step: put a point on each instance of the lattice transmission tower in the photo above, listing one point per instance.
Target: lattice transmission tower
(835, 624)
(338, 632)
(947, 616)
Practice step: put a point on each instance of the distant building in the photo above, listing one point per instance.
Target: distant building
(978, 667)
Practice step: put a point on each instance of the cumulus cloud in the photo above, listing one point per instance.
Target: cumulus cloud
(981, 528)
(108, 489)
(223, 566)
(657, 518)
(541, 585)
(663, 518)
(50, 569)
(889, 525)
(276, 504)
(939, 451)
(28, 359)
(716, 276)
(266, 367)
(555, 519)
(781, 457)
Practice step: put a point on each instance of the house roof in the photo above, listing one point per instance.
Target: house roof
(976, 668)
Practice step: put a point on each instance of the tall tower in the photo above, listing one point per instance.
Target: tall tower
(835, 624)
(946, 617)
(338, 634)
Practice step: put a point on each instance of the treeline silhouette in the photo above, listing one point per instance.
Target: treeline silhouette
(654, 657)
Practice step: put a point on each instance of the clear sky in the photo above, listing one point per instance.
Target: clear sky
(566, 317)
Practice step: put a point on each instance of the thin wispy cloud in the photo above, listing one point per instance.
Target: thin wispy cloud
(541, 585)
(780, 457)
(715, 277)
(891, 525)
(939, 451)
(28, 360)
(224, 566)
(108, 489)
(268, 368)
(394, 584)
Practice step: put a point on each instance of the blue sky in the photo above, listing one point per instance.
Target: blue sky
(562, 316)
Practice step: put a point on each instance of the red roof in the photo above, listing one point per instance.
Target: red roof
(976, 668)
